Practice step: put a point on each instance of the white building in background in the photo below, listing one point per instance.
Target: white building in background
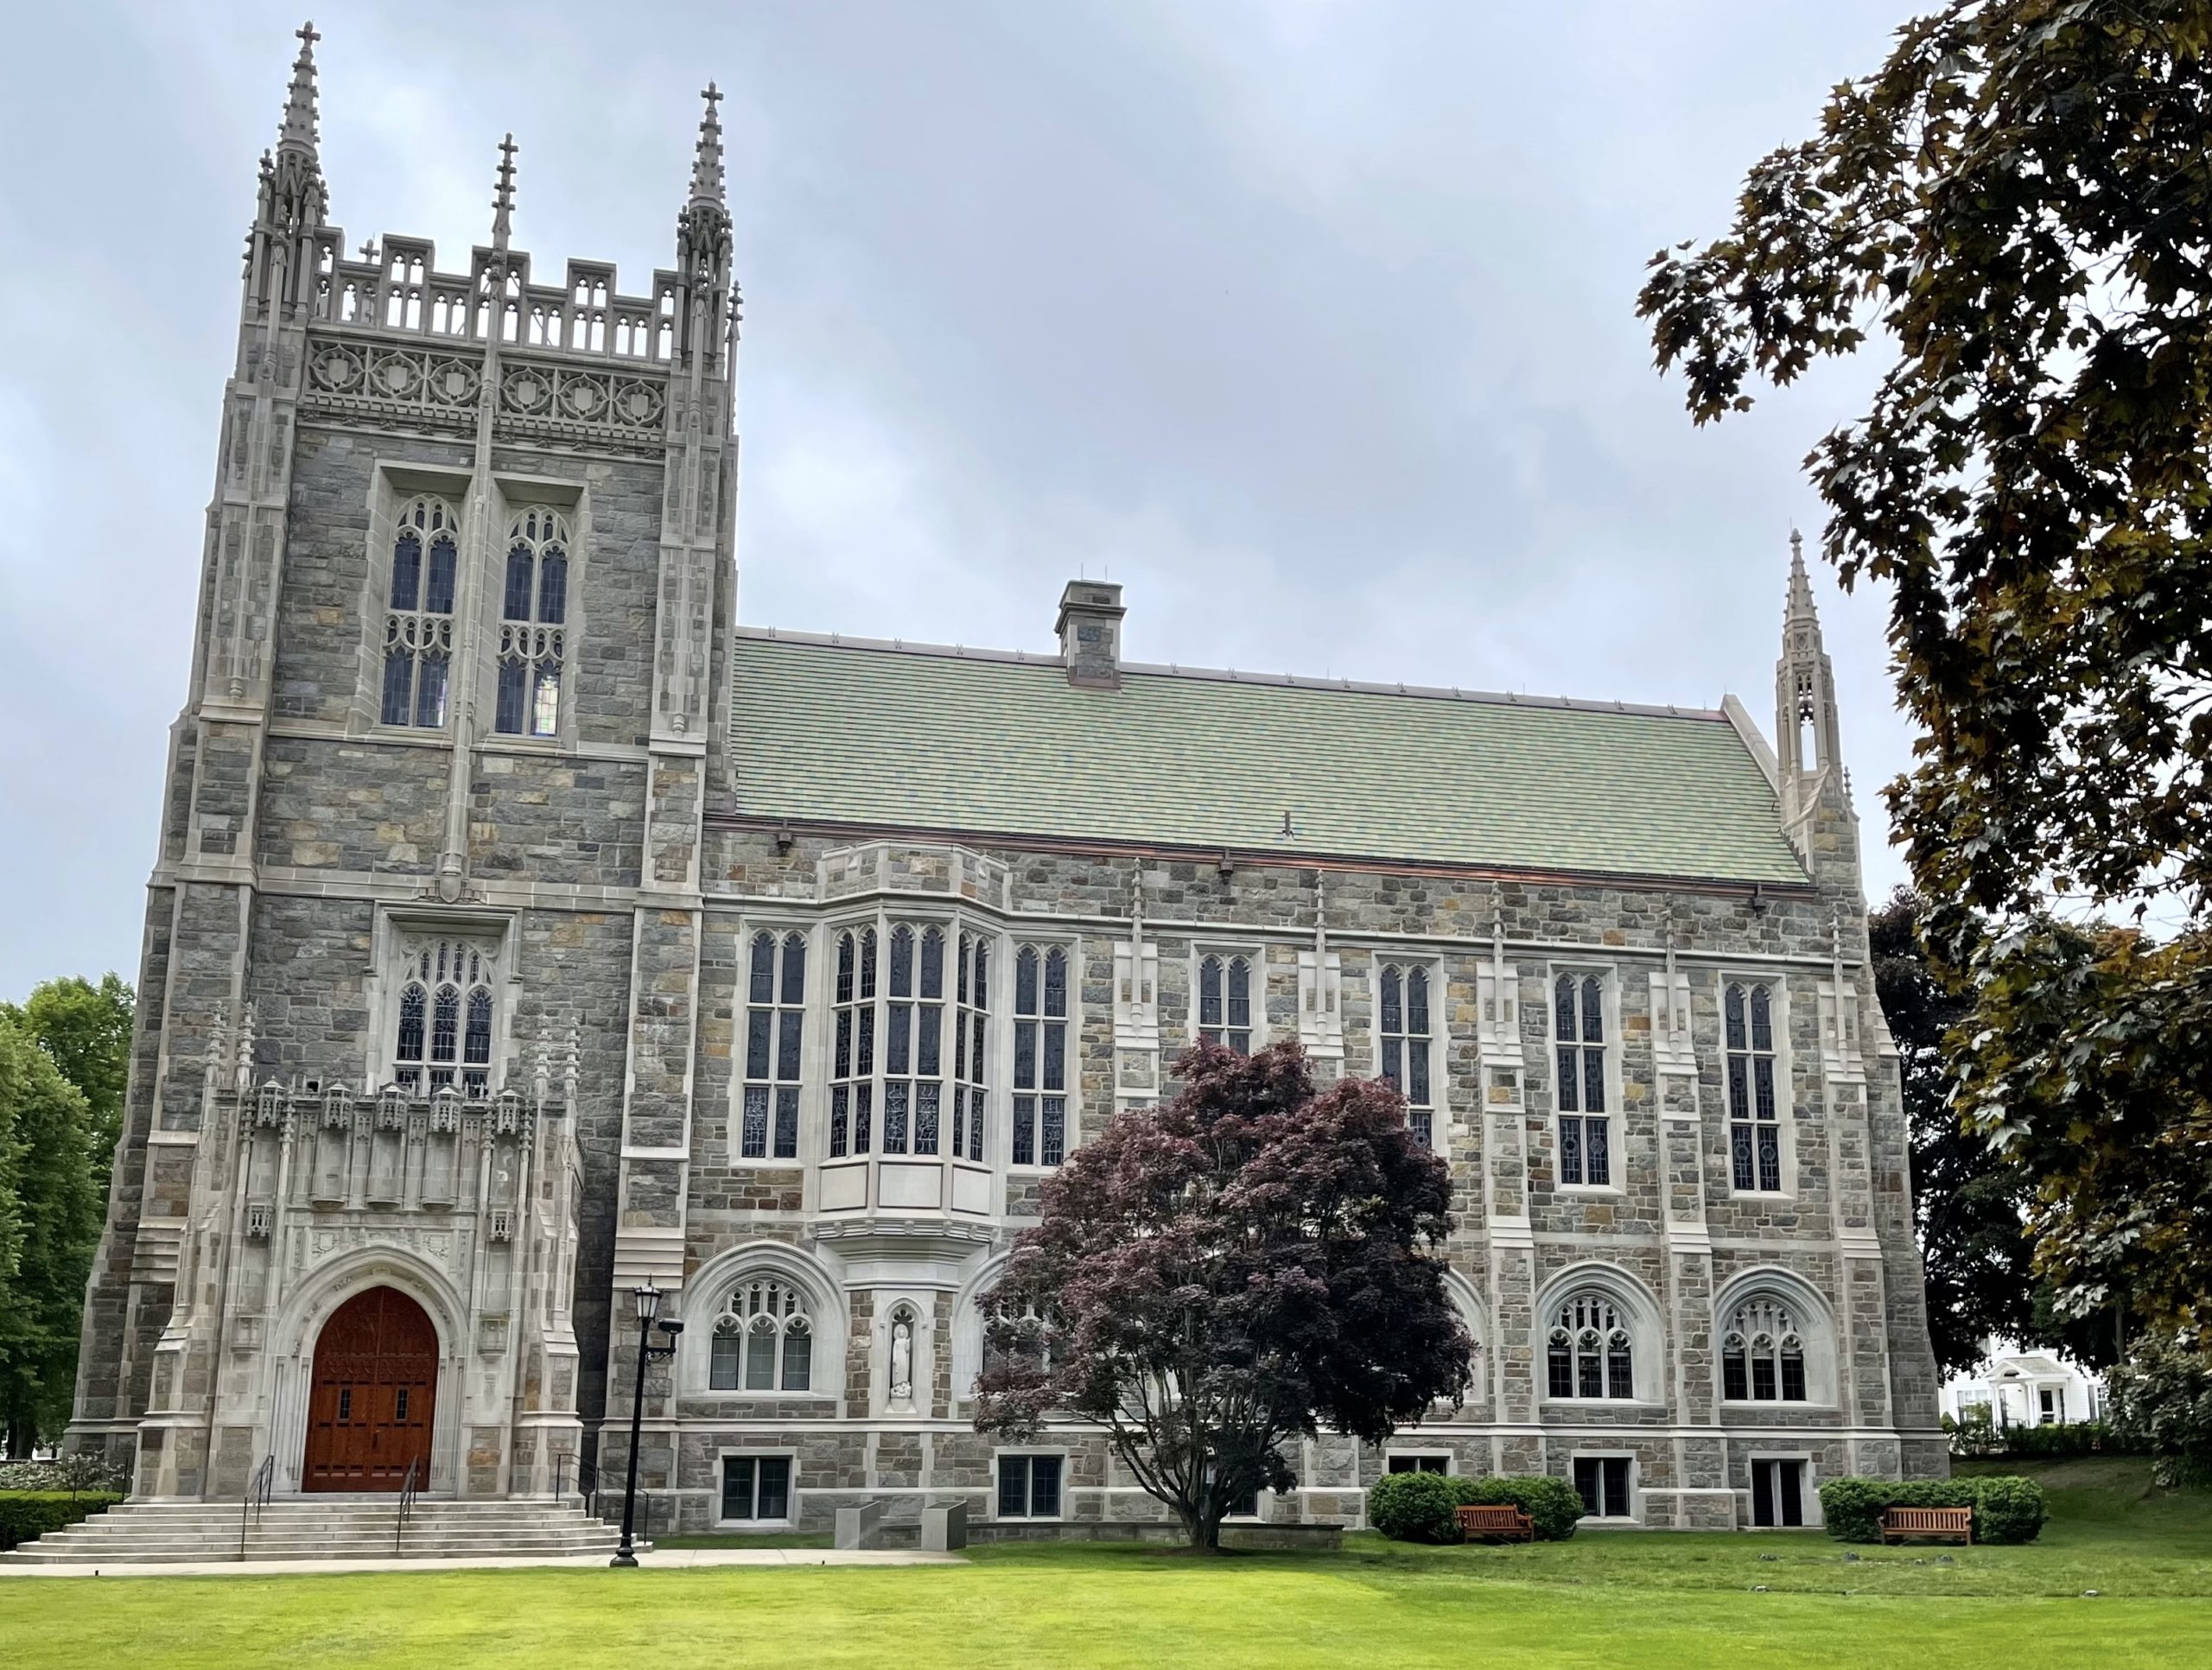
(2021, 1387)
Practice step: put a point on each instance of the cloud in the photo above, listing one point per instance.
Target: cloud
(1309, 320)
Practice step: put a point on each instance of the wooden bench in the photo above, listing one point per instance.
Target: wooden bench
(1898, 1523)
(1501, 1521)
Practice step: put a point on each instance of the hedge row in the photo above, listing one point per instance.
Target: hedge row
(2004, 1509)
(28, 1513)
(2054, 1442)
(1424, 1506)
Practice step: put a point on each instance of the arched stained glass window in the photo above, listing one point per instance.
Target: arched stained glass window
(763, 1340)
(1589, 1353)
(1763, 1354)
(419, 617)
(443, 1019)
(533, 637)
(1585, 1126)
(1041, 1055)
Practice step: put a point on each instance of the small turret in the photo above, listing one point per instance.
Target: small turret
(703, 245)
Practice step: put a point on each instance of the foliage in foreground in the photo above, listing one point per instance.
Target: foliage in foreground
(2161, 1401)
(1424, 1506)
(2005, 1509)
(2017, 201)
(28, 1513)
(1215, 1279)
(49, 1226)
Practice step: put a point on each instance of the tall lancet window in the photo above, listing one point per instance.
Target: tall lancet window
(1754, 1117)
(1041, 1055)
(775, 1023)
(1404, 1034)
(418, 616)
(533, 625)
(1585, 1129)
(1226, 1002)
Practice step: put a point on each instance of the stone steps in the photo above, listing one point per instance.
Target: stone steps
(341, 1529)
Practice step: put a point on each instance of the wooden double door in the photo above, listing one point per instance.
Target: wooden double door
(374, 1395)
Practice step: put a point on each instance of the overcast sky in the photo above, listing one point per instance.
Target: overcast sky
(1310, 322)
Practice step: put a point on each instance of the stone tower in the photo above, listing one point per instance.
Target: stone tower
(422, 841)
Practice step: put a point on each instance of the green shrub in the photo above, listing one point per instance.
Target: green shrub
(28, 1513)
(1553, 1505)
(1414, 1506)
(2162, 1404)
(2005, 1509)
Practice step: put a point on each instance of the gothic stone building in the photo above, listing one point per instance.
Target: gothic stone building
(525, 930)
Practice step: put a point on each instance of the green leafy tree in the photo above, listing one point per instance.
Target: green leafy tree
(1970, 1202)
(50, 1215)
(2016, 207)
(86, 1029)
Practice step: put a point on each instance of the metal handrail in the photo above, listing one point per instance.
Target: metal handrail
(257, 1492)
(406, 1502)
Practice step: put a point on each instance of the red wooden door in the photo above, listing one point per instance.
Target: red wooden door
(369, 1407)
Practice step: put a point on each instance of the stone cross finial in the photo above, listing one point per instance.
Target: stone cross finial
(298, 131)
(707, 161)
(503, 200)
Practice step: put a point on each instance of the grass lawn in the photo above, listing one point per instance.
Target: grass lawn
(1619, 1599)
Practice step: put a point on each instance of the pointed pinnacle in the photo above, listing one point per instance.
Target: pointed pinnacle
(503, 200)
(299, 130)
(1801, 586)
(707, 162)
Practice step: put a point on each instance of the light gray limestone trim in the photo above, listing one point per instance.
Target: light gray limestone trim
(1244, 936)
(1755, 741)
(313, 416)
(319, 730)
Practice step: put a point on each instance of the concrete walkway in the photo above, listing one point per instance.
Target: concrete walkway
(668, 1559)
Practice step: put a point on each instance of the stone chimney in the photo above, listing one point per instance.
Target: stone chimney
(1091, 634)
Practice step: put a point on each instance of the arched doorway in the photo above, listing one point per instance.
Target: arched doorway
(371, 1400)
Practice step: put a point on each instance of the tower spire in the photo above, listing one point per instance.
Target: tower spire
(503, 200)
(1805, 706)
(298, 132)
(707, 160)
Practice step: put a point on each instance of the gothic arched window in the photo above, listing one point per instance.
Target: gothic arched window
(442, 1033)
(1590, 1354)
(1226, 1001)
(763, 1341)
(533, 622)
(1763, 1354)
(418, 616)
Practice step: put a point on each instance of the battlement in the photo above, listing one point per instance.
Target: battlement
(394, 288)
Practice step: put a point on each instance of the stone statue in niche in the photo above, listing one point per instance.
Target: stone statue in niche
(902, 1361)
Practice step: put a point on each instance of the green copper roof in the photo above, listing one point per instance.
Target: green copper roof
(986, 744)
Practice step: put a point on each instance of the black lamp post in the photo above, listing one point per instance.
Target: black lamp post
(648, 1302)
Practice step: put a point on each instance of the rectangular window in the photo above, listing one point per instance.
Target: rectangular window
(1754, 1117)
(2048, 1399)
(1602, 1482)
(1402, 1036)
(1585, 1126)
(775, 1022)
(1041, 1055)
(1226, 1001)
(756, 1487)
(1029, 1487)
(1420, 1464)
